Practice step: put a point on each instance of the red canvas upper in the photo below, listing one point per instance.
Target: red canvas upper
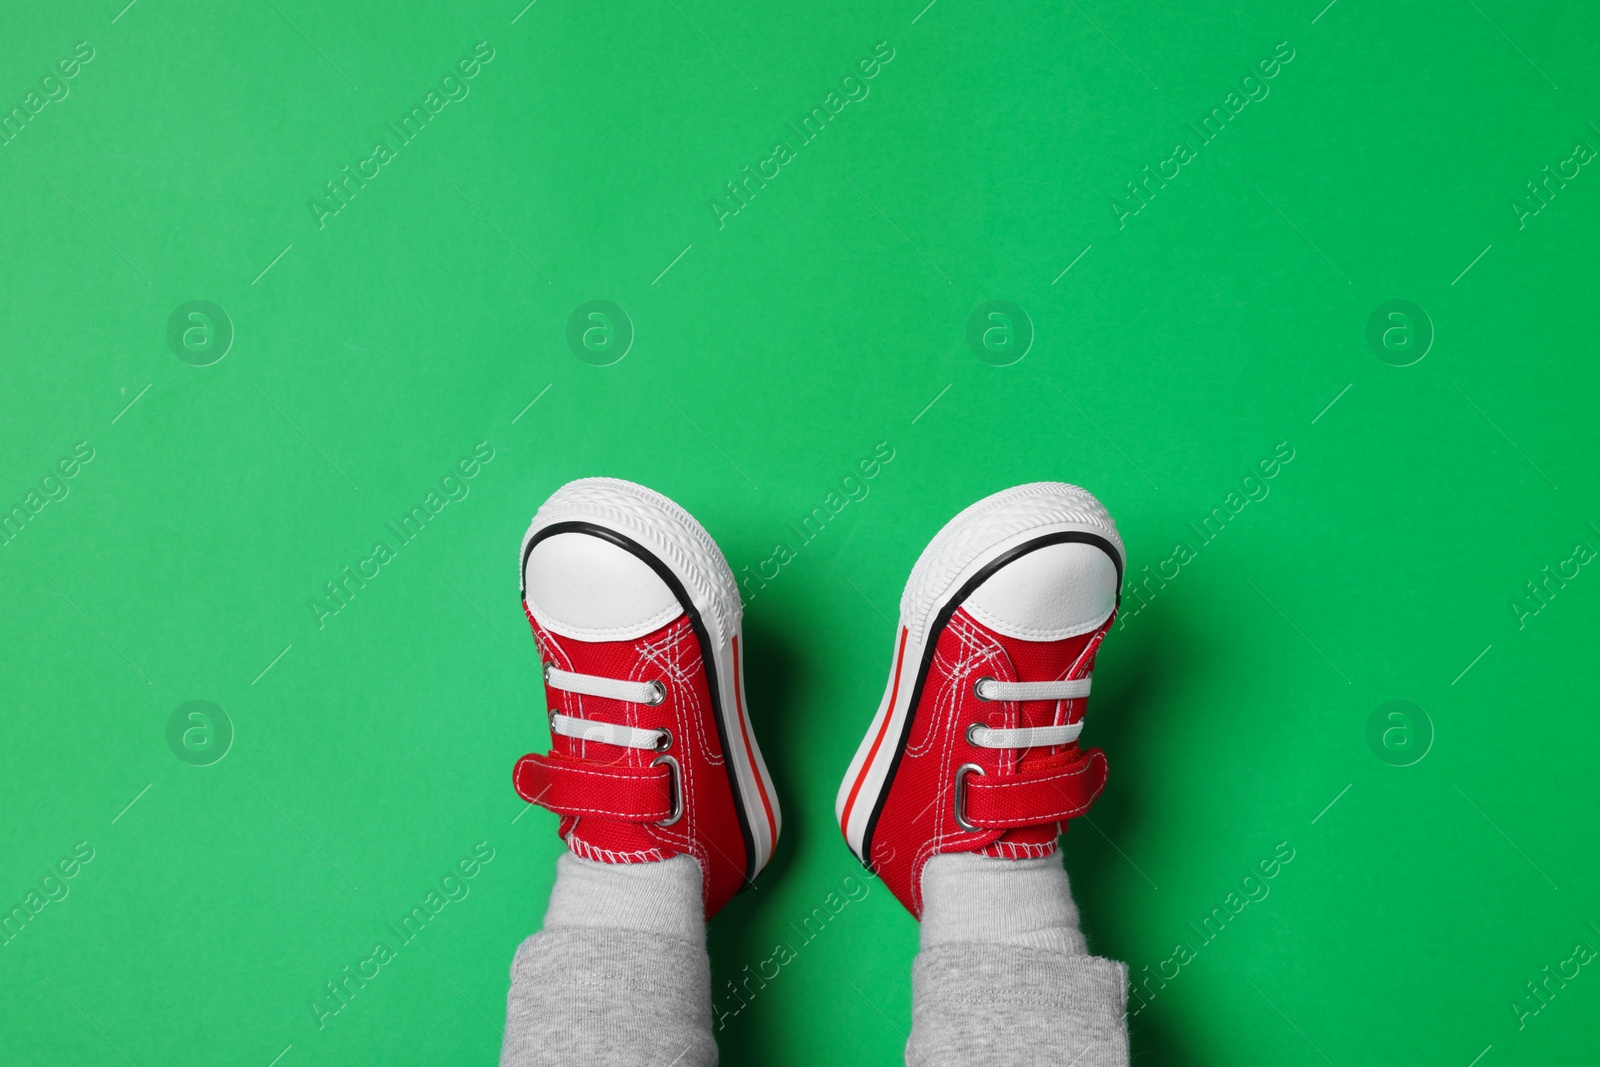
(1021, 801)
(613, 800)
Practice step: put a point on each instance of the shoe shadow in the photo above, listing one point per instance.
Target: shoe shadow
(771, 669)
(1097, 853)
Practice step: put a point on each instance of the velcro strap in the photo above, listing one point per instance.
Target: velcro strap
(569, 786)
(1035, 798)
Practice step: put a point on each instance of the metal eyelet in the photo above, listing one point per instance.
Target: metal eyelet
(676, 775)
(661, 694)
(972, 730)
(977, 689)
(544, 671)
(961, 796)
(663, 742)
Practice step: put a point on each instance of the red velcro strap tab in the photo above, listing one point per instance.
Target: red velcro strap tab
(1035, 798)
(576, 787)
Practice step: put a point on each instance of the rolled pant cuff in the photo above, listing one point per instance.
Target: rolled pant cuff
(976, 1005)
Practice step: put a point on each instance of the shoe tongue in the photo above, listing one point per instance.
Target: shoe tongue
(1039, 661)
(608, 840)
(592, 837)
(1028, 841)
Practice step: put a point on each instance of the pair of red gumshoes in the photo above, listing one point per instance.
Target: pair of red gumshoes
(974, 747)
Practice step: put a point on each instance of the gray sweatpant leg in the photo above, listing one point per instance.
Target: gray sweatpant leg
(625, 999)
(599, 998)
(619, 977)
(978, 1005)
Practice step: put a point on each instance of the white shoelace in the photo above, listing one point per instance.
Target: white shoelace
(1023, 736)
(989, 689)
(1027, 736)
(651, 693)
(592, 685)
(607, 733)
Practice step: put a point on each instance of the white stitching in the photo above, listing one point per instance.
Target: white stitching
(588, 851)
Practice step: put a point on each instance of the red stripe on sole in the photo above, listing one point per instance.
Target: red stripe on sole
(877, 742)
(744, 732)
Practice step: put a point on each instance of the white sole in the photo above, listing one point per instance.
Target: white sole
(967, 546)
(673, 537)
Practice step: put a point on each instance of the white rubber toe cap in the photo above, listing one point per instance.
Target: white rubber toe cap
(1052, 593)
(588, 589)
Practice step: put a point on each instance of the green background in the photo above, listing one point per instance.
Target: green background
(370, 354)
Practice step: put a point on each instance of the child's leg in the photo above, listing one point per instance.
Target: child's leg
(963, 783)
(665, 803)
(1004, 975)
(619, 975)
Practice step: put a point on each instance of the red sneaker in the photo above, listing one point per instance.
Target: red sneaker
(975, 746)
(636, 617)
